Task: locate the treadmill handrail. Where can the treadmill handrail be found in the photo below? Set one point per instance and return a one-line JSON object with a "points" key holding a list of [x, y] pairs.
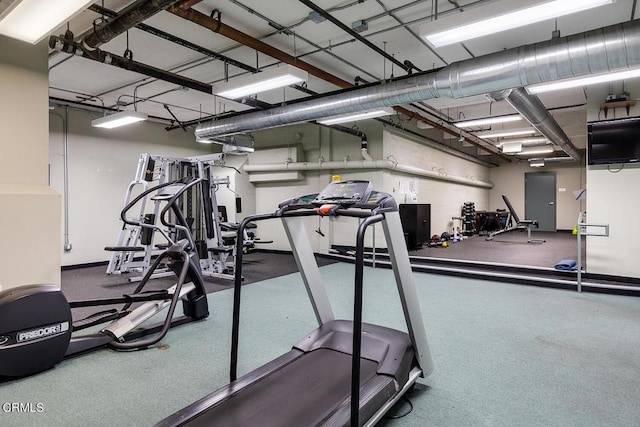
{"points": [[357, 317], [237, 287]]}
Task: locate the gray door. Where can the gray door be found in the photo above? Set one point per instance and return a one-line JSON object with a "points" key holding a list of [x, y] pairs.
{"points": [[540, 199]]}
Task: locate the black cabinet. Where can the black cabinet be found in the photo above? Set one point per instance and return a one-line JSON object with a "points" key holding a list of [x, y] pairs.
{"points": [[416, 222]]}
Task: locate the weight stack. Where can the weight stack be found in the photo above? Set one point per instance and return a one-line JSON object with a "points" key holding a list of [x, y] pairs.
{"points": [[468, 218]]}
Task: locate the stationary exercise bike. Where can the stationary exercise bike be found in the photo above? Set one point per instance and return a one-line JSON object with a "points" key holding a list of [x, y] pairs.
{"points": [[36, 322]]}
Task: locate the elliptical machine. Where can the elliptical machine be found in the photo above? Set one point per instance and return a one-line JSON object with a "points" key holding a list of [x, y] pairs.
{"points": [[36, 322]]}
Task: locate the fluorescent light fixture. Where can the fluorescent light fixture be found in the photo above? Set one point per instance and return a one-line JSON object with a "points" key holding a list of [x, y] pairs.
{"points": [[583, 81], [487, 121], [500, 16], [536, 163], [255, 83], [538, 140], [231, 144], [511, 148], [500, 134], [334, 120], [537, 150], [119, 119], [32, 20], [204, 140]]}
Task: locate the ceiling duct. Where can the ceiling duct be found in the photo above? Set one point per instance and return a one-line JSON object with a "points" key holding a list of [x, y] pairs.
{"points": [[603, 50], [532, 109], [235, 144], [221, 28]]}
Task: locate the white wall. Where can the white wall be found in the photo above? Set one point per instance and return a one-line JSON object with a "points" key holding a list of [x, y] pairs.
{"points": [[323, 144], [446, 198], [316, 144], [30, 225], [239, 183], [102, 163], [612, 198], [509, 180]]}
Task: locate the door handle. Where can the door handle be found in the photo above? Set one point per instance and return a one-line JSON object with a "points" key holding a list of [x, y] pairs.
{"points": [[551, 203]]}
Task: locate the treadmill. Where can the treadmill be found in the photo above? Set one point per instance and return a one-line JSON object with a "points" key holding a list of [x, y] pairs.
{"points": [[344, 373]]}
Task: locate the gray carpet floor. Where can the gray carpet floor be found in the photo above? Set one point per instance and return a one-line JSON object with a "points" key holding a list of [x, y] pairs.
{"points": [[92, 282], [504, 355], [511, 248]]}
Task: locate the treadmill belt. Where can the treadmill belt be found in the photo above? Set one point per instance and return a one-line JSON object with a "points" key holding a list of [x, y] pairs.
{"points": [[302, 393]]}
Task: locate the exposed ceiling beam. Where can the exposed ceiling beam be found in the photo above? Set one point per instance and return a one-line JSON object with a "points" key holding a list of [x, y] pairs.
{"points": [[219, 27], [406, 67], [240, 37]]}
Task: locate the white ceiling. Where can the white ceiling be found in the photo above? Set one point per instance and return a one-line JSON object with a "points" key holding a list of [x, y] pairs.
{"points": [[392, 26]]}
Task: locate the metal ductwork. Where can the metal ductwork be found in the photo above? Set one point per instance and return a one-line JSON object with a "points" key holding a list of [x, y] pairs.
{"points": [[532, 109], [217, 26], [608, 49], [126, 19]]}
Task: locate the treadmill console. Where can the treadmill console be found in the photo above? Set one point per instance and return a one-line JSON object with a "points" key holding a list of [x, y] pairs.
{"points": [[344, 193], [340, 196]]}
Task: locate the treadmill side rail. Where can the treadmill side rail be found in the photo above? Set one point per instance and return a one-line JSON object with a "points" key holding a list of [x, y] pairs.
{"points": [[399, 257], [308, 267]]}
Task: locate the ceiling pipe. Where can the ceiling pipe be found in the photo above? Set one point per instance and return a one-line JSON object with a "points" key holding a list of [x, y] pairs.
{"points": [[608, 49], [177, 40], [62, 44], [365, 164], [352, 33], [132, 15], [219, 27], [233, 34], [364, 142], [532, 109], [438, 145]]}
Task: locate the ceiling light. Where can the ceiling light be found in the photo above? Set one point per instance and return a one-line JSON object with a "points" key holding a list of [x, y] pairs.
{"points": [[538, 140], [582, 81], [359, 26], [500, 16], [32, 20], [260, 82], [500, 134], [536, 163], [119, 119], [333, 120], [316, 17], [511, 148], [537, 150], [204, 140], [231, 144], [487, 121]]}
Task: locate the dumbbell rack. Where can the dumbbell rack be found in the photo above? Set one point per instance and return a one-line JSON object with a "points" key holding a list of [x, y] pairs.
{"points": [[468, 218]]}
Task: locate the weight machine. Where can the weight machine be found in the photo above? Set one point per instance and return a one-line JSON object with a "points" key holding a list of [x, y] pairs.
{"points": [[136, 244]]}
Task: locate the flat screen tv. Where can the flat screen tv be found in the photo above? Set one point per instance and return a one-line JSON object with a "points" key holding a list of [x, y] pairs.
{"points": [[614, 141]]}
